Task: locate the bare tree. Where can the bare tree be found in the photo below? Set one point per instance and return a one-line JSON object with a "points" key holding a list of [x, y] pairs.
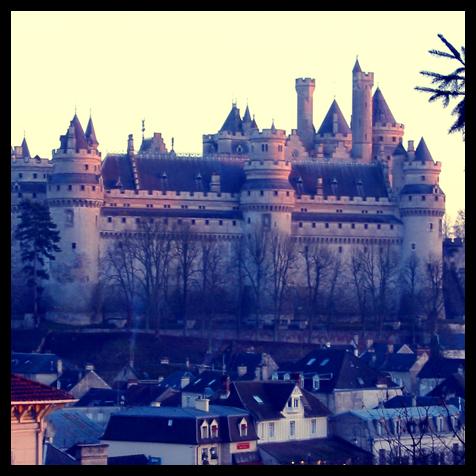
{"points": [[282, 260], [238, 279], [459, 224], [431, 293], [186, 252], [256, 264], [410, 281], [319, 260], [118, 267]]}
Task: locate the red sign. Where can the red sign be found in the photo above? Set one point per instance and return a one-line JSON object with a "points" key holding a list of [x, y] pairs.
{"points": [[243, 446]]}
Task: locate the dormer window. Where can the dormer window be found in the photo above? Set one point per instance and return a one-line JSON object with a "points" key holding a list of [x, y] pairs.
{"points": [[204, 430], [214, 429], [243, 427]]}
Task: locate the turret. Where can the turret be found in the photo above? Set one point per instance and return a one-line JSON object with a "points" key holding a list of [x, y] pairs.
{"points": [[361, 122], [75, 197], [267, 197], [422, 205], [305, 127]]}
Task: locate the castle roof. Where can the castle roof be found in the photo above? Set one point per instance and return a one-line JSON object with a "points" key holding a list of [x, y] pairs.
{"points": [[193, 174], [24, 149], [247, 116], [381, 111], [327, 124], [79, 137], [422, 153], [357, 68], [90, 133], [233, 123], [400, 150]]}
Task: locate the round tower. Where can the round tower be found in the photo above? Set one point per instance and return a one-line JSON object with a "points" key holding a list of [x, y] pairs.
{"points": [[361, 121], [267, 197], [75, 197], [305, 126], [422, 205]]}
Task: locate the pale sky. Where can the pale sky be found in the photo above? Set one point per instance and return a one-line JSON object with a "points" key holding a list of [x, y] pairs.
{"points": [[181, 70]]}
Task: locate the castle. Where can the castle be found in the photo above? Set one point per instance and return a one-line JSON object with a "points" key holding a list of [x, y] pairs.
{"points": [[340, 185]]}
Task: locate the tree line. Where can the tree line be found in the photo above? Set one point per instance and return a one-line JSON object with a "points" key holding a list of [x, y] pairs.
{"points": [[167, 273]]}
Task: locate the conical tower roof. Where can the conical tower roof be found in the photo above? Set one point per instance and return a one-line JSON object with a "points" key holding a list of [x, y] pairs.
{"points": [[247, 116], [24, 149], [327, 124], [380, 110], [80, 140], [233, 122], [90, 133], [357, 68], [422, 153], [400, 150]]}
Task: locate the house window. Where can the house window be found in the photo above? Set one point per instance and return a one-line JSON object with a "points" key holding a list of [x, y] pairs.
{"points": [[313, 426], [292, 429], [214, 453], [271, 430], [315, 382]]}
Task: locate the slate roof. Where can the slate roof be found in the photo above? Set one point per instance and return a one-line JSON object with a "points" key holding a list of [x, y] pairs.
{"points": [[345, 218], [453, 384], [422, 153], [143, 394], [233, 123], [90, 133], [440, 368], [71, 427], [327, 123], [399, 362], [380, 110], [341, 179], [417, 189], [24, 390], [99, 397], [28, 363], [338, 370], [130, 460], [25, 151], [272, 398], [332, 450], [177, 425]]}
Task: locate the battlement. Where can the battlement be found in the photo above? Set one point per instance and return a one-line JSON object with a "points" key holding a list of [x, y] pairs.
{"points": [[268, 134], [416, 165], [305, 82], [71, 153], [388, 125]]}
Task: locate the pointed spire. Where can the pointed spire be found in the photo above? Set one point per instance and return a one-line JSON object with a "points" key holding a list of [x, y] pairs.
{"points": [[380, 110], [233, 122], [400, 150], [327, 123], [422, 153], [253, 123], [273, 129], [24, 148], [247, 116], [357, 68], [80, 140], [91, 134]]}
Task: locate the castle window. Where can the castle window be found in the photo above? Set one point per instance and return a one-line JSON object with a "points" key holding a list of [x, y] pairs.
{"points": [[430, 226], [73, 246], [86, 166], [207, 222], [340, 249], [234, 222], [423, 198], [413, 246], [391, 227], [352, 226], [380, 138], [82, 187], [261, 192], [340, 225], [394, 139], [327, 225], [409, 198], [109, 219], [422, 178], [379, 227], [436, 198], [300, 224], [70, 187], [20, 175], [275, 193], [366, 226], [220, 222], [123, 220], [287, 194], [179, 221], [249, 193], [314, 225], [193, 222], [93, 188]]}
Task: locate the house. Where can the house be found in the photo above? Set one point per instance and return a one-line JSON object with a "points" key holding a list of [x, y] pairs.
{"points": [[408, 435], [204, 386], [78, 382], [31, 402], [291, 424], [205, 435], [448, 346], [342, 381], [44, 368], [80, 454], [138, 395], [435, 370], [249, 365], [452, 386]]}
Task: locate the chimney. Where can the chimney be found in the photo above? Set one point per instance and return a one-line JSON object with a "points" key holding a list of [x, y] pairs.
{"points": [[320, 189], [184, 381], [59, 367], [215, 183], [202, 404], [89, 367], [298, 378], [411, 151], [91, 454], [225, 386]]}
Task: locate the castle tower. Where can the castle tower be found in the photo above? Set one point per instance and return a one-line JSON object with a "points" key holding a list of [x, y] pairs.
{"points": [[422, 204], [75, 196], [386, 132], [305, 127], [361, 121], [334, 134], [267, 197]]}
